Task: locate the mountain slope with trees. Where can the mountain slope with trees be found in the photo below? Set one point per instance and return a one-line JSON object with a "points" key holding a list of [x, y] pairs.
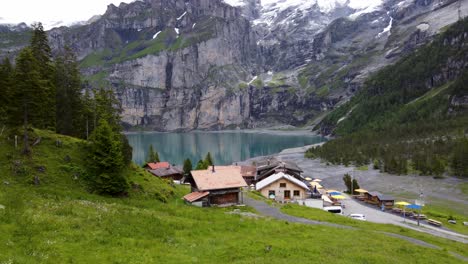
{"points": [[409, 116]]}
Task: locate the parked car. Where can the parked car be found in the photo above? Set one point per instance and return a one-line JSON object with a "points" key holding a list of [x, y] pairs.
{"points": [[358, 217], [333, 209]]}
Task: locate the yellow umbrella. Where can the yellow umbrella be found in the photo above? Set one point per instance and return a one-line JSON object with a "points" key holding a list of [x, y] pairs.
{"points": [[360, 190], [317, 180], [308, 179], [329, 191], [339, 197], [402, 203], [316, 184]]}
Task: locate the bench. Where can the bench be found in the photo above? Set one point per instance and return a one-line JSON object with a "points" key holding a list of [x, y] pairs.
{"points": [[434, 222]]}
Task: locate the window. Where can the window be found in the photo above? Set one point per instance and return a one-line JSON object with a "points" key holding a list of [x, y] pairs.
{"points": [[297, 193], [271, 194], [283, 185]]}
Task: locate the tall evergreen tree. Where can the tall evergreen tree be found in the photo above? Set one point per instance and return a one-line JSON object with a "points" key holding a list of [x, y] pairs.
{"points": [[187, 166], [200, 165], [347, 182], [153, 156], [69, 103], [25, 104], [88, 114], [106, 160], [6, 88], [43, 54], [208, 160], [107, 107], [459, 162]]}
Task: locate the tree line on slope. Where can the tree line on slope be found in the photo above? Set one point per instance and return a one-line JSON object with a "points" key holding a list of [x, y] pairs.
{"points": [[44, 91], [406, 118]]}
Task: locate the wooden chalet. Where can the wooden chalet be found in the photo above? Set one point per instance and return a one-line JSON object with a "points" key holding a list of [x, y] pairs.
{"points": [[249, 173], [157, 165], [378, 199], [282, 187], [269, 167], [218, 185], [169, 173]]}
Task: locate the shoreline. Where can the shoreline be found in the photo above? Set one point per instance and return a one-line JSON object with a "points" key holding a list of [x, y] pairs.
{"points": [[443, 192], [271, 131]]}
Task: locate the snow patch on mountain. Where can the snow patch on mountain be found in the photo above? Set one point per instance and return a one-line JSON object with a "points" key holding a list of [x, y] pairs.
{"points": [[235, 2], [271, 9], [388, 28]]}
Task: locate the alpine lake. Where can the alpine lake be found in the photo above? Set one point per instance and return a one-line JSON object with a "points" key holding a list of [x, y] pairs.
{"points": [[226, 147]]}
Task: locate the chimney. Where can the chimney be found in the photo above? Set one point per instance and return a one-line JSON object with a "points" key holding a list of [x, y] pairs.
{"points": [[212, 169]]}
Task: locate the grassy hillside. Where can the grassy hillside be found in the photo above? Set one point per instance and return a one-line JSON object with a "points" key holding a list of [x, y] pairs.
{"points": [[58, 221]]}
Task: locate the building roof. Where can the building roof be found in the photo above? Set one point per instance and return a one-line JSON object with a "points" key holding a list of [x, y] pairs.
{"points": [[248, 171], [277, 176], [274, 163], [166, 171], [382, 197], [192, 197], [223, 177], [158, 165], [374, 193]]}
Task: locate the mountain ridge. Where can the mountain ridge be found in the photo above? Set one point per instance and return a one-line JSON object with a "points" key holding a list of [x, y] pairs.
{"points": [[179, 65]]}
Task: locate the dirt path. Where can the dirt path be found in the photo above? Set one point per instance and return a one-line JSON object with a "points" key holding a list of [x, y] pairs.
{"points": [[274, 212]]}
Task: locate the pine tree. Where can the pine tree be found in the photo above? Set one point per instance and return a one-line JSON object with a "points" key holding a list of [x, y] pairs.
{"points": [[106, 160], [6, 89], [200, 165], [459, 160], [355, 185], [47, 95], [208, 160], [25, 104], [187, 166], [347, 182], [107, 107], [68, 95], [87, 113]]}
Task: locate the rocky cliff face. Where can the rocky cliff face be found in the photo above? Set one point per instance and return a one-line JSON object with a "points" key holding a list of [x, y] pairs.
{"points": [[213, 64]]}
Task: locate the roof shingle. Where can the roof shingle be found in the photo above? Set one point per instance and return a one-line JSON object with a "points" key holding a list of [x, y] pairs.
{"points": [[223, 177]]}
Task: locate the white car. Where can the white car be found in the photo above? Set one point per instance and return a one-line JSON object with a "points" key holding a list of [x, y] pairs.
{"points": [[358, 217]]}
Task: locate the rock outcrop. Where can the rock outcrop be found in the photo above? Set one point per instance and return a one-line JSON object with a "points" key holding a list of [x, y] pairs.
{"points": [[214, 64]]}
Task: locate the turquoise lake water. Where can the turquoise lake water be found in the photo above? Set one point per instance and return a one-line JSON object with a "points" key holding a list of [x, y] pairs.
{"points": [[226, 147]]}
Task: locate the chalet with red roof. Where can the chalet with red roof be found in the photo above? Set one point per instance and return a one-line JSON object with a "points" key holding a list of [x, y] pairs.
{"points": [[218, 185]]}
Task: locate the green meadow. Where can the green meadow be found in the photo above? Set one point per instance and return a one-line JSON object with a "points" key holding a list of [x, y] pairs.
{"points": [[59, 221]]}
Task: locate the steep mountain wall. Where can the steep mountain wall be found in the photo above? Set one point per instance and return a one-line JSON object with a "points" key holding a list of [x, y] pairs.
{"points": [[213, 64]]}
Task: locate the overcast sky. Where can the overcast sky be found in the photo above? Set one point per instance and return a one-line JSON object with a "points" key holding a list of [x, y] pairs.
{"points": [[50, 12]]}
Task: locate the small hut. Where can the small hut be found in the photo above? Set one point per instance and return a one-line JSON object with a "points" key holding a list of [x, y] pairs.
{"points": [[379, 199]]}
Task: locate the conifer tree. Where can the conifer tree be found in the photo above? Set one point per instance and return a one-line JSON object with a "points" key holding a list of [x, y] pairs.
{"points": [[459, 160], [187, 166], [108, 107], [200, 165], [6, 89], [153, 156], [208, 160], [25, 105], [46, 96], [68, 96], [106, 160]]}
